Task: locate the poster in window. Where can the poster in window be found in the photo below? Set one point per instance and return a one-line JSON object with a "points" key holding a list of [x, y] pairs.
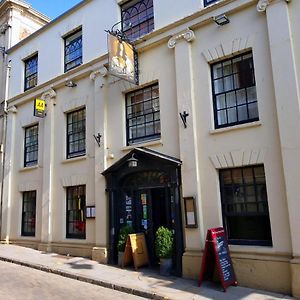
{"points": [[121, 59]]}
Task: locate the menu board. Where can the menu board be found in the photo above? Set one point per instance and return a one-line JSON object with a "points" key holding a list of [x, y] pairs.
{"points": [[216, 253]]}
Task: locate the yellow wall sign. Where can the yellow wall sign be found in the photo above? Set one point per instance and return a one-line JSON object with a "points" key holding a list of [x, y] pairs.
{"points": [[39, 108]]}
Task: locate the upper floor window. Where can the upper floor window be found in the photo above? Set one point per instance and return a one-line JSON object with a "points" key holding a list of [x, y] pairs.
{"points": [[28, 213], [245, 205], [137, 18], [76, 133], [73, 50], [234, 91], [209, 2], [31, 146], [31, 72], [76, 212], [143, 115]]}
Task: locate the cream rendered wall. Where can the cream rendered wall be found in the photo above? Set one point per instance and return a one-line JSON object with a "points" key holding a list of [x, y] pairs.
{"points": [[263, 138], [24, 179], [50, 44], [156, 65], [168, 11], [294, 7]]}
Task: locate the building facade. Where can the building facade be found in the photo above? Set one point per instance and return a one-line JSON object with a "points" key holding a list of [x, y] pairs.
{"points": [[17, 21], [210, 133]]}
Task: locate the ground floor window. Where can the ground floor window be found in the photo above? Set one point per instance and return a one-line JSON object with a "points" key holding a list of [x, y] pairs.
{"points": [[245, 205], [28, 213], [75, 212]]}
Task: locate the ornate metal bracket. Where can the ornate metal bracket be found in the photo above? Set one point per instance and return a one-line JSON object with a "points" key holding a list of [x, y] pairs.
{"points": [[98, 139], [183, 117]]}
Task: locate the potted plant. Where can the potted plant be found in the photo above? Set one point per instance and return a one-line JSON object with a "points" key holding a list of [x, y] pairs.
{"points": [[122, 238], [164, 246]]}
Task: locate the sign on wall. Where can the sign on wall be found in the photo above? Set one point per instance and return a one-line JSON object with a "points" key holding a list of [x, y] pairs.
{"points": [[122, 61], [39, 108]]}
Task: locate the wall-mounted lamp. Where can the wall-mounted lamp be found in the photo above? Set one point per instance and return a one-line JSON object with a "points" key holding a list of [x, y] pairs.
{"points": [[132, 162], [221, 20], [70, 83]]}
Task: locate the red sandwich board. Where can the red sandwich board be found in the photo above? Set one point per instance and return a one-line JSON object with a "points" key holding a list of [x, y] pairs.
{"points": [[216, 253]]}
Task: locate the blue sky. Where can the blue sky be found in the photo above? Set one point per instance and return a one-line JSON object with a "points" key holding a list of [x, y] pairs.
{"points": [[52, 8]]}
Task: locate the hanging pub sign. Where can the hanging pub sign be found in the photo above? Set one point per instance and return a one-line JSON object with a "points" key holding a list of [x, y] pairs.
{"points": [[39, 109], [216, 255], [122, 59]]}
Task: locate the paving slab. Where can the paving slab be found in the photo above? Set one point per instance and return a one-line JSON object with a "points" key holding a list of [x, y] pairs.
{"points": [[145, 282]]}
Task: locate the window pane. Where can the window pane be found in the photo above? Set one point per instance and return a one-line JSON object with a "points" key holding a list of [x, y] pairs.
{"points": [[242, 113], [31, 146], [222, 117], [234, 79], [143, 114], [73, 50], [76, 223], [28, 213], [221, 101], [245, 211], [76, 133], [31, 72], [137, 18]]}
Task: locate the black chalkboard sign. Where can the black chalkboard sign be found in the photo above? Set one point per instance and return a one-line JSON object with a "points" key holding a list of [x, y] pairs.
{"points": [[216, 253]]}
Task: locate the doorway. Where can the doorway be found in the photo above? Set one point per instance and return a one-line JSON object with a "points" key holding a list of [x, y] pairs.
{"points": [[145, 197], [153, 211]]}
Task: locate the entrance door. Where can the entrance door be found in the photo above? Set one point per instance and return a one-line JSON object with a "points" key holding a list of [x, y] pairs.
{"points": [[153, 211]]}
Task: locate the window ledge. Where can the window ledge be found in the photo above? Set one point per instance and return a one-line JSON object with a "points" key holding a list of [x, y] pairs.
{"points": [[145, 144], [236, 127], [25, 169], [252, 249], [74, 159]]}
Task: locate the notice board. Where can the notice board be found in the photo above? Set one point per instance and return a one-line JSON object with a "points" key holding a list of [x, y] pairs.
{"points": [[216, 254], [136, 251]]}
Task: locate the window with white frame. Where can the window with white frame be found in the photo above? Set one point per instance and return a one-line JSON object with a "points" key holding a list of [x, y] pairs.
{"points": [[245, 205], [234, 91], [31, 145]]}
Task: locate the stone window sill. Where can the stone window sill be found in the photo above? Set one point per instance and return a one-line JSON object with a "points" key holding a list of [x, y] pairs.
{"points": [[236, 127]]}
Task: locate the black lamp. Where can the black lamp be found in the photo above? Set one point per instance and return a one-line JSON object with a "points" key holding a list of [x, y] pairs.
{"points": [[132, 162]]}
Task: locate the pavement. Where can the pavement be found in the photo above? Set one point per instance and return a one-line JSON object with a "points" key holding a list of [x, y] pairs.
{"points": [[145, 282]]}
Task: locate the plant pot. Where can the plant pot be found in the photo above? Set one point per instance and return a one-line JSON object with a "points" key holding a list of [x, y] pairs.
{"points": [[165, 266], [120, 258]]}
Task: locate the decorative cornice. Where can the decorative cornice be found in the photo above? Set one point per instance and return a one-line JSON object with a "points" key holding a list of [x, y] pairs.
{"points": [[187, 34], [263, 4], [49, 94], [100, 72], [12, 109]]}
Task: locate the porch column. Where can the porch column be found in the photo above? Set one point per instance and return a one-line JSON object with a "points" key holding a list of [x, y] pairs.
{"points": [[8, 176], [100, 116], [48, 170], [189, 152], [287, 98]]}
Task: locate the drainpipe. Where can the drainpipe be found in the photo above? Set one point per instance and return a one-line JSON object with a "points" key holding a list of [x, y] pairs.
{"points": [[7, 30]]}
